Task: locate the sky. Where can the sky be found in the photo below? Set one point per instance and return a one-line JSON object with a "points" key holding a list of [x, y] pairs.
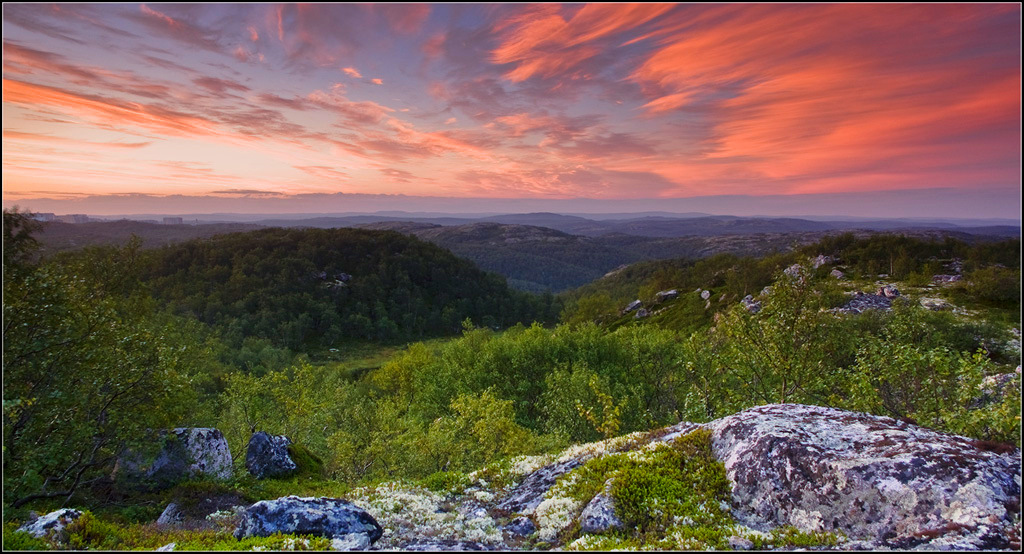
{"points": [[194, 108]]}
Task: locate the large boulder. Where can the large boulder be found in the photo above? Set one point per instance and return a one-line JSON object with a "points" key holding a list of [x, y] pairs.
{"points": [[52, 524], [323, 517], [872, 478], [186, 452], [268, 456]]}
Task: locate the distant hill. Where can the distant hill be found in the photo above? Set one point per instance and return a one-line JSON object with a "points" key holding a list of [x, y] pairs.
{"points": [[58, 237], [316, 288]]}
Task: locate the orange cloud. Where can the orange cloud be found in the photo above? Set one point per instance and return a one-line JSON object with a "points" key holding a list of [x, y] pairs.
{"points": [[541, 42], [352, 72]]}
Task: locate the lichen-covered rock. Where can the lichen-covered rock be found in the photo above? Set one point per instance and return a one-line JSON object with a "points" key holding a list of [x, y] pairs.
{"points": [[873, 478], [427, 545], [525, 498], [705, 294], [322, 517], [599, 515], [267, 456], [822, 260], [888, 291], [751, 305], [835, 273], [52, 524], [187, 452], [666, 295], [521, 526]]}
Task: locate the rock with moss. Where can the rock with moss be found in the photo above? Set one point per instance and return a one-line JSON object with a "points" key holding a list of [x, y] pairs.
{"points": [[332, 518], [599, 515], [51, 524], [186, 452], [871, 478], [267, 456], [525, 498]]}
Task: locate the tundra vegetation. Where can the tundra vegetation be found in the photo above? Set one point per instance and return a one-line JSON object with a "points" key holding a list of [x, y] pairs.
{"points": [[305, 333]]}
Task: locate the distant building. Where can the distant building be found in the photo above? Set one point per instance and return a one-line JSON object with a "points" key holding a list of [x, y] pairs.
{"points": [[44, 217], [73, 218], [172, 221]]}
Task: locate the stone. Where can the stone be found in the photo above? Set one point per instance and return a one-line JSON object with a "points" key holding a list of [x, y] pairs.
{"points": [[599, 514], [169, 547], [666, 295], [705, 294], [946, 278], [642, 313], [935, 304], [632, 306], [837, 274], [888, 291], [322, 517], [171, 515], [752, 306], [351, 543], [52, 524], [187, 452], [862, 302], [446, 545], [872, 478], [521, 526], [525, 498], [267, 456], [822, 260]]}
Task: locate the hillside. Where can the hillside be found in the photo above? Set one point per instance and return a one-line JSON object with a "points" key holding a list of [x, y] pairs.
{"points": [[315, 288], [56, 236]]}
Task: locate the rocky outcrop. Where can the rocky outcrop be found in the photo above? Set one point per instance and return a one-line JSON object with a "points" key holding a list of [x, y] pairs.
{"points": [[187, 452], [632, 306], [835, 273], [599, 515], [642, 313], [51, 524], [873, 478], [751, 305], [267, 456], [322, 517], [862, 302], [525, 498]]}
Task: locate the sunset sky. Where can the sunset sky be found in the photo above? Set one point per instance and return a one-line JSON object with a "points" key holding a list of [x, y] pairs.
{"points": [[205, 104]]}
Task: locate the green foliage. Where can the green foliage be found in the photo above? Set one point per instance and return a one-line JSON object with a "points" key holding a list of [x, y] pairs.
{"points": [[318, 288], [88, 368], [15, 540], [308, 463], [447, 482], [790, 350], [994, 285]]}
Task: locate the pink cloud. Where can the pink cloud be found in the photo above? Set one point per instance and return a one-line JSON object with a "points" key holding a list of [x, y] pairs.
{"points": [[352, 72]]}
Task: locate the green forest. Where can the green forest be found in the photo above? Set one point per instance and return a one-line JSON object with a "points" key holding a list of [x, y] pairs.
{"points": [[385, 357]]}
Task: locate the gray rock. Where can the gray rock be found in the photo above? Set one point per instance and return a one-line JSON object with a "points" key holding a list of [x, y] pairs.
{"points": [[171, 515], [632, 306], [873, 478], [323, 517], [169, 547], [666, 295], [642, 313], [525, 498], [267, 456], [888, 291], [752, 306], [52, 523], [837, 274], [946, 278], [862, 302], [705, 294], [186, 453], [521, 526], [599, 514], [351, 543], [822, 260], [935, 304]]}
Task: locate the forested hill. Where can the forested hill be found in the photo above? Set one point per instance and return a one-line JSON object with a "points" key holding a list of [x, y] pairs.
{"points": [[314, 288]]}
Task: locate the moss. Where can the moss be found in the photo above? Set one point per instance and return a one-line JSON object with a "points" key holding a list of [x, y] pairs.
{"points": [[447, 482], [20, 540], [309, 464]]}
